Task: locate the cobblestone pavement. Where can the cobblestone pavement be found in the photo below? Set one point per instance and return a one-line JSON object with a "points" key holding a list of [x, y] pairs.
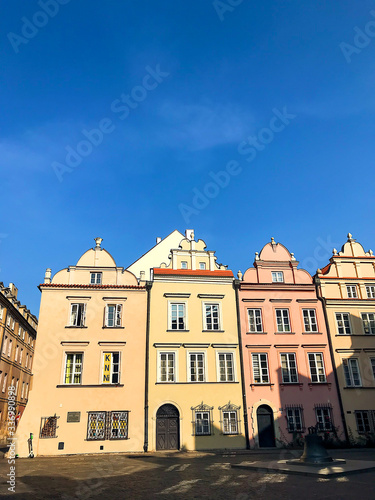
{"points": [[176, 475]]}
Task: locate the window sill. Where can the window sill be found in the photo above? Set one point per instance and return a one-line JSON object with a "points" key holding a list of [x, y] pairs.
{"points": [[178, 331], [355, 335], [90, 385], [256, 333], [72, 326], [291, 383], [113, 327], [311, 384], [200, 383], [358, 387], [312, 333], [262, 385], [285, 333], [213, 331]]}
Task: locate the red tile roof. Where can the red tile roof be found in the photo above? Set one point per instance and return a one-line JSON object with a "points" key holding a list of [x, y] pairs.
{"points": [[190, 272], [60, 285]]}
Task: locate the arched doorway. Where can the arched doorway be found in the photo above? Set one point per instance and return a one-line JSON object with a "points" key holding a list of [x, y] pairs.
{"points": [[266, 430], [167, 428]]}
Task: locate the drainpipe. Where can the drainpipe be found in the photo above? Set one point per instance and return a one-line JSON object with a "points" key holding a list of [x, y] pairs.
{"points": [[148, 288], [236, 284], [323, 301]]}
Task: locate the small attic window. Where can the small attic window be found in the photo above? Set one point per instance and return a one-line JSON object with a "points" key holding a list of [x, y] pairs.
{"points": [[96, 278], [202, 266], [277, 277], [184, 264]]}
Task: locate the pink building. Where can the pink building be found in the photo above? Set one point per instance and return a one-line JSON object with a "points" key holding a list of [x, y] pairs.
{"points": [[288, 376]]}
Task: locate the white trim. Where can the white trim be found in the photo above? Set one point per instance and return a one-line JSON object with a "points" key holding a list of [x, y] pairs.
{"points": [[185, 303], [205, 367], [158, 366], [218, 353], [204, 324]]}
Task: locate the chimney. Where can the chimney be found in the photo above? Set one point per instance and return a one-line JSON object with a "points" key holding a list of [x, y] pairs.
{"points": [[189, 234], [142, 276], [47, 276], [13, 290], [158, 240]]}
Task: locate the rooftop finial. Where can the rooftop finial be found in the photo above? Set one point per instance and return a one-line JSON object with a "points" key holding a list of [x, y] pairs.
{"points": [[350, 237], [292, 254], [98, 242], [239, 275], [334, 251], [256, 255], [272, 240]]}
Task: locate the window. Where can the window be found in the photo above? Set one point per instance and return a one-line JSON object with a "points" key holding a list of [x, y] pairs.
{"points": [[351, 291], [16, 356], [5, 344], [294, 418], [177, 319], [167, 367], [5, 382], [364, 423], [27, 391], [202, 266], [289, 368], [370, 290], [19, 331], [9, 320], [77, 315], [113, 315], [21, 356], [317, 367], [282, 320], [368, 320], [343, 323], [351, 372], [372, 361], [184, 264], [226, 371], [27, 360], [13, 324], [103, 425], [23, 390], [196, 367], [23, 335], [202, 423], [255, 320], [10, 348], [211, 317], [95, 278], [229, 418], [309, 320], [277, 276], [324, 418], [73, 368], [260, 368], [111, 368], [30, 362], [48, 427], [1, 312]]}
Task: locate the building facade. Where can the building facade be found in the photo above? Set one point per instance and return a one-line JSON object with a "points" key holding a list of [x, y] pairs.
{"points": [[88, 394], [347, 287], [194, 388], [288, 375], [18, 336]]}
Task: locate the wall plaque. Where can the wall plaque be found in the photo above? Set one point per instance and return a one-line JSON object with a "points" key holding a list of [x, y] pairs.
{"points": [[74, 416]]}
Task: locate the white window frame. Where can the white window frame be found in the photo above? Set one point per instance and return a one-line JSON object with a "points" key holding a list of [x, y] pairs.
{"points": [[184, 264], [112, 372], [9, 320], [97, 275], [205, 416], [23, 390], [352, 291], [277, 276], [16, 355], [219, 324], [290, 359], [264, 376], [342, 320], [21, 356], [321, 377], [27, 360], [321, 421], [359, 419], [309, 320], [202, 266], [83, 314], [27, 391], [291, 419], [1, 312], [4, 382], [10, 345], [117, 315], [257, 319], [74, 365], [282, 315], [368, 322], [177, 303], [189, 355], [19, 330], [13, 324], [23, 335], [370, 290], [225, 353], [5, 345], [175, 367], [351, 372], [228, 426]]}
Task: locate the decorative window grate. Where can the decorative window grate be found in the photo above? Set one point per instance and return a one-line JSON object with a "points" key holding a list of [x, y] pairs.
{"points": [[202, 422], [107, 425], [48, 427], [230, 421], [294, 418]]}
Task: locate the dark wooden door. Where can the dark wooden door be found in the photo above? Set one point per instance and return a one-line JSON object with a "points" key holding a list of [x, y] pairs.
{"points": [[167, 428], [266, 431]]}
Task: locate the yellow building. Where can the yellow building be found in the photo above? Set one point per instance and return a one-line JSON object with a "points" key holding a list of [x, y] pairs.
{"points": [[347, 288], [194, 388], [17, 341], [88, 393]]}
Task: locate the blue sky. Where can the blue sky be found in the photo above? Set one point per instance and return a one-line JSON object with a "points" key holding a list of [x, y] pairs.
{"points": [[222, 72]]}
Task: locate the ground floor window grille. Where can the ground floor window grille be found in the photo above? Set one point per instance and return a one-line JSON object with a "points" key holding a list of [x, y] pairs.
{"points": [[230, 422], [107, 425], [365, 421], [202, 420], [324, 418], [48, 427], [294, 417]]}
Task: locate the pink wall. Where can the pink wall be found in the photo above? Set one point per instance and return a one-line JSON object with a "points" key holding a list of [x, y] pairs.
{"points": [[297, 292]]}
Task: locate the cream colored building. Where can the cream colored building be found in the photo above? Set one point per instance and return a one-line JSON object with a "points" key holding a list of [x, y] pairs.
{"points": [[347, 288], [194, 385], [88, 392]]}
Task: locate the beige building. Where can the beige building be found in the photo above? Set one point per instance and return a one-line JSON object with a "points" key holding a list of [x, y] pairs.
{"points": [[17, 333], [88, 394], [347, 287], [194, 391]]}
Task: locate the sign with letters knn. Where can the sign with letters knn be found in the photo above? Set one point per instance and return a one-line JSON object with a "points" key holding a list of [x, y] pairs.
{"points": [[107, 368]]}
